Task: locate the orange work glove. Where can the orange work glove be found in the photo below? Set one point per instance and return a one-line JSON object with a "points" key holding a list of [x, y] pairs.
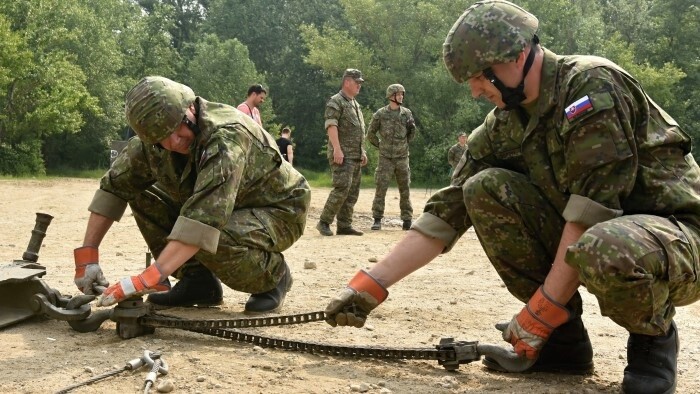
{"points": [[530, 329], [149, 281], [356, 301], [88, 273]]}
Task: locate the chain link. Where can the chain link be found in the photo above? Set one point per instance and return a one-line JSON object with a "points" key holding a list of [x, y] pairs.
{"points": [[230, 329]]}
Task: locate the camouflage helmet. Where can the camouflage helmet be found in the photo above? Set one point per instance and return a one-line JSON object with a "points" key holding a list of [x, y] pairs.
{"points": [[489, 32], [156, 106], [393, 89]]}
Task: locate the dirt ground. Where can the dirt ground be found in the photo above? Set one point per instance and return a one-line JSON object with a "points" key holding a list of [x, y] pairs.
{"points": [[459, 295]]}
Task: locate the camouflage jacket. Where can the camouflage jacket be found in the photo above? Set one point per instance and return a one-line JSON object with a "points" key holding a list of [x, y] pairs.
{"points": [[345, 113], [617, 154], [233, 164], [455, 153], [391, 131]]}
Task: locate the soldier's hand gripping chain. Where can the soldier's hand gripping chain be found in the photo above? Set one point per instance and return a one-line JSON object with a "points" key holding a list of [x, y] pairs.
{"points": [[149, 281], [88, 273], [530, 329], [351, 307]]}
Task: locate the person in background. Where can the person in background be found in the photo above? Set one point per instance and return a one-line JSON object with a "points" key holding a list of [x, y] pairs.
{"points": [[284, 143], [391, 129], [346, 154], [256, 96]]}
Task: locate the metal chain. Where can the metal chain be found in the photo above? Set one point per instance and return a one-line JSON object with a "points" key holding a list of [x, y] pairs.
{"points": [[229, 329]]}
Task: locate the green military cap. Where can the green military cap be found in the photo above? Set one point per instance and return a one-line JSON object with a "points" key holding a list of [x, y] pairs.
{"points": [[354, 74]]}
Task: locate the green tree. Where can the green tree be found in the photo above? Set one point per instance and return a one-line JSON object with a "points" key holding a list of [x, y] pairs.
{"points": [[221, 71]]}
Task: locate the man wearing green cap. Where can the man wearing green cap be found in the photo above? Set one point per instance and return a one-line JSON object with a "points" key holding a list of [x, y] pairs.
{"points": [[345, 126], [577, 177], [211, 195]]}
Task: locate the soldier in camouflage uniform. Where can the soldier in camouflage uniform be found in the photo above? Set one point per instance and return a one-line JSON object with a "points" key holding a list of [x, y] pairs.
{"points": [[454, 155], [577, 177], [391, 129], [345, 126], [211, 195]]}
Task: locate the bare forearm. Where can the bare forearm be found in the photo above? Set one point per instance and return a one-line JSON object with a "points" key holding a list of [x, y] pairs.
{"points": [[562, 281], [97, 228], [174, 255], [290, 155], [411, 253], [333, 137]]}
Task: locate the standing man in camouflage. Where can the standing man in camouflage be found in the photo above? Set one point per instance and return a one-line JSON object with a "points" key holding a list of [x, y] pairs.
{"points": [[391, 129], [211, 196], [456, 151], [577, 178], [345, 126]]}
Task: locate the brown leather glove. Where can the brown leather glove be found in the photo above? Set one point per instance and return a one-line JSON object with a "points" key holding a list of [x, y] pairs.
{"points": [[530, 329], [88, 274], [351, 307]]}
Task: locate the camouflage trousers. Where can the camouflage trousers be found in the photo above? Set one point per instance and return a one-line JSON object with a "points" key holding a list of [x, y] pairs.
{"points": [[346, 188], [248, 257], [639, 267], [386, 170]]}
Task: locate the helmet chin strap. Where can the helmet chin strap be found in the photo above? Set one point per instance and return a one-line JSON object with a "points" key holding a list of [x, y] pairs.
{"points": [[393, 100], [512, 97]]}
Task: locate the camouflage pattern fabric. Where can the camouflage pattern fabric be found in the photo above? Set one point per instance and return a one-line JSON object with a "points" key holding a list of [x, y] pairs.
{"points": [[233, 196], [455, 154], [386, 170], [346, 189], [622, 168], [346, 114], [389, 131], [489, 32]]}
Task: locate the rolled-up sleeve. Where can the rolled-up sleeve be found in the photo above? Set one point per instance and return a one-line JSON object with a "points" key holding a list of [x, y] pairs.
{"points": [[587, 212], [108, 205], [195, 233]]}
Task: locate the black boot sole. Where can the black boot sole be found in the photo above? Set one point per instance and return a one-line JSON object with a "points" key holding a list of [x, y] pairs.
{"points": [[565, 369]]}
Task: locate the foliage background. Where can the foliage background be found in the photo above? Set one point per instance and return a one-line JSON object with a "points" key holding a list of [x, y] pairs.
{"points": [[66, 65]]}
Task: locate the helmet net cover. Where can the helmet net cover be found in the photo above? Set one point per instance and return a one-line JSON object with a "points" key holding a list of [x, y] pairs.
{"points": [[156, 106], [393, 89], [489, 32]]}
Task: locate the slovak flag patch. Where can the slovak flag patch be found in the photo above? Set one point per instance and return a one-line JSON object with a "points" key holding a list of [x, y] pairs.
{"points": [[578, 107]]}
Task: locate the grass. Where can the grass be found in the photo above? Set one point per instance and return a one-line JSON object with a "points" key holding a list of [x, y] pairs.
{"points": [[315, 178]]}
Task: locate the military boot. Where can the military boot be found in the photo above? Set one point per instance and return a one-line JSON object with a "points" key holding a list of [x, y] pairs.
{"points": [[567, 351], [348, 231], [197, 286], [651, 363], [324, 228], [377, 225], [407, 224], [271, 300]]}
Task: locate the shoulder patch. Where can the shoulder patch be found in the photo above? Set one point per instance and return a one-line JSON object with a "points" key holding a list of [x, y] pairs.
{"points": [[578, 108]]}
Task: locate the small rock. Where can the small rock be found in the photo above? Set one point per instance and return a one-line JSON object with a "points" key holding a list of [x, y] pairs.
{"points": [[89, 370], [384, 390], [372, 260], [257, 349], [165, 386], [369, 327], [201, 378], [453, 302], [309, 265]]}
